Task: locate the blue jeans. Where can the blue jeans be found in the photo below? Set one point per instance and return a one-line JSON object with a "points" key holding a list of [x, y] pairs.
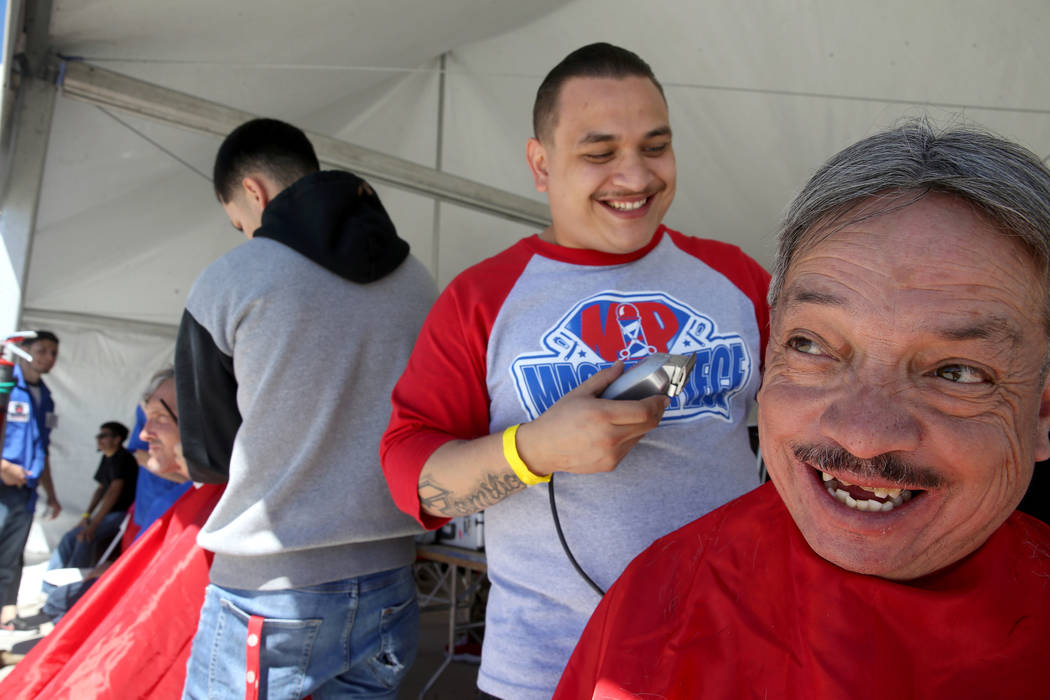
{"points": [[71, 553], [15, 521], [354, 638], [61, 598]]}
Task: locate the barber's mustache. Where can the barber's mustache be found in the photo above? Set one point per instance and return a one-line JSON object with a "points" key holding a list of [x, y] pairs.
{"points": [[837, 460]]}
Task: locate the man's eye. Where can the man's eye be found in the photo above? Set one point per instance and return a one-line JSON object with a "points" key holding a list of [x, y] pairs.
{"points": [[961, 374], [657, 149], [804, 345], [598, 157]]}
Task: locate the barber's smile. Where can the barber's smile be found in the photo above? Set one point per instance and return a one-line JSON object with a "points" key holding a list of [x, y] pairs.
{"points": [[628, 206]]}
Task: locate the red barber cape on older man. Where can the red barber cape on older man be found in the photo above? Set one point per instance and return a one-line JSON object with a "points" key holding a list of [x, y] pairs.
{"points": [[130, 635], [736, 605]]}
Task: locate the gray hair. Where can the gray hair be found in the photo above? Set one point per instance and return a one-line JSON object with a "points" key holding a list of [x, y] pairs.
{"points": [[1008, 184], [159, 377]]}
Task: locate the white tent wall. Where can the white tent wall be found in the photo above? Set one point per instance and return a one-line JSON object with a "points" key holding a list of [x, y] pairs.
{"points": [[103, 366]]}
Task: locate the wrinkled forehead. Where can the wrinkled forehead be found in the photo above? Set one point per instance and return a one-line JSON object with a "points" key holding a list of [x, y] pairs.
{"points": [[936, 241]]}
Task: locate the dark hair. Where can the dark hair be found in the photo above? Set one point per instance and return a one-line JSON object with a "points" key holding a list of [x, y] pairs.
{"points": [[118, 429], [1004, 181], [274, 148], [599, 60], [40, 335]]}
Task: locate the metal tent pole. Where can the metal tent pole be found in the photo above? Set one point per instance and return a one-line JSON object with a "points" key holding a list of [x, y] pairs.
{"points": [[109, 89]]}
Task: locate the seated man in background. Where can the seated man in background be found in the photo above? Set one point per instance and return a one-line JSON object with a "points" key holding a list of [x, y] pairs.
{"points": [[904, 402], [129, 636], [116, 476]]}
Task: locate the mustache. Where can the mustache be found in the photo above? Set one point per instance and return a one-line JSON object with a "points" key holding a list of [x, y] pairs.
{"points": [[834, 459]]}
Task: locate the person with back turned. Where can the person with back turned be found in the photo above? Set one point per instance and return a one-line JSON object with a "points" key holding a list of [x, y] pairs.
{"points": [[287, 352]]}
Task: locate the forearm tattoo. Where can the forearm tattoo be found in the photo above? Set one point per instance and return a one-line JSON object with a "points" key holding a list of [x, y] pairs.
{"points": [[435, 498]]}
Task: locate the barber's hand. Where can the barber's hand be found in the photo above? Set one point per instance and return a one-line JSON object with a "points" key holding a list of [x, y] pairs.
{"points": [[584, 434], [87, 534], [12, 474], [54, 508]]}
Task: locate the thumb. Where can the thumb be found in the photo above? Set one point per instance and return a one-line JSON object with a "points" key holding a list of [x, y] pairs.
{"points": [[597, 383]]}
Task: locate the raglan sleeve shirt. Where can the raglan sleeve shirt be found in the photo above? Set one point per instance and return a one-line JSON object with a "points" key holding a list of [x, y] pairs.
{"points": [[443, 394]]}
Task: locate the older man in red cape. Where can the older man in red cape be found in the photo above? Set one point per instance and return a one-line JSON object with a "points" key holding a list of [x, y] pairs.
{"points": [[904, 403], [130, 635]]}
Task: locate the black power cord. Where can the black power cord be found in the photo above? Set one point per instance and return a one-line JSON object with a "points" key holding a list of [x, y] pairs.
{"points": [[565, 545]]}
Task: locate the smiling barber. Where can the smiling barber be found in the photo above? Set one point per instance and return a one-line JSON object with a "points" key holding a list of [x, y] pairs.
{"points": [[532, 336]]}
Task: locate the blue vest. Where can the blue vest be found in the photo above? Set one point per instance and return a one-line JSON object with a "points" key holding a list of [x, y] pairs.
{"points": [[28, 430]]}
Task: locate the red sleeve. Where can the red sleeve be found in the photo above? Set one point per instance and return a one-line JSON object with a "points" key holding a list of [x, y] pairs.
{"points": [[739, 268], [443, 393]]}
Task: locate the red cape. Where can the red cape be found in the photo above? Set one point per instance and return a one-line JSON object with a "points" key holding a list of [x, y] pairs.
{"points": [[736, 605], [130, 635]]}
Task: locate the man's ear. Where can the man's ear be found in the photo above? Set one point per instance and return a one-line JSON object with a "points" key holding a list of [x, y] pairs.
{"points": [[1042, 439], [536, 154], [256, 192]]}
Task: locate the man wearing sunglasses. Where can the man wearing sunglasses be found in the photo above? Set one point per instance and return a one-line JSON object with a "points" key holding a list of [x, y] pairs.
{"points": [[116, 476]]}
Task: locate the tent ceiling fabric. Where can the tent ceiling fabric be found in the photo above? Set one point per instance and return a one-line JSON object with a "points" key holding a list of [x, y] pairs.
{"points": [[759, 94]]}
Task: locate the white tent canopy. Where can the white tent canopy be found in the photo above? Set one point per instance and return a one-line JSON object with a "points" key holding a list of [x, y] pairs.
{"points": [[759, 93]]}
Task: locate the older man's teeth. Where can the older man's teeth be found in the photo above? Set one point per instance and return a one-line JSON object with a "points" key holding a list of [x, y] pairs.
{"points": [[896, 496], [883, 493], [627, 206]]}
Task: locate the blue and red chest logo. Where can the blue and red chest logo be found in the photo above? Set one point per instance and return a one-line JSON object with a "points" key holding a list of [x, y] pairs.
{"points": [[612, 326]]}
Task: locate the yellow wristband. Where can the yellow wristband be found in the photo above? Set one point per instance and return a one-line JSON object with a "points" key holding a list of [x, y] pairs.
{"points": [[510, 453], [86, 515]]}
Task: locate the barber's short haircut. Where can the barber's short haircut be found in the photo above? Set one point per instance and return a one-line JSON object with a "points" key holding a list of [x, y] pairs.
{"points": [[268, 146], [40, 335], [599, 60], [1008, 184], [118, 429], [159, 377]]}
